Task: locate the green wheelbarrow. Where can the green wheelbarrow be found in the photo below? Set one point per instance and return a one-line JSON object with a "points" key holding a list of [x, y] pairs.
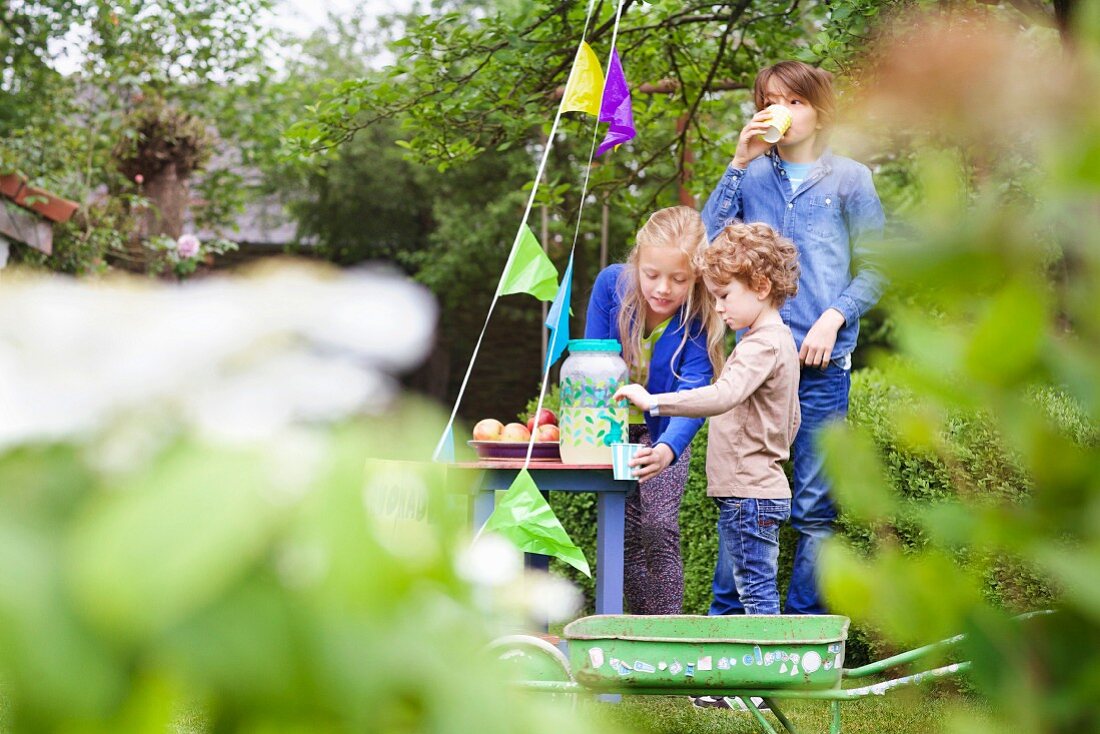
{"points": [[771, 657]]}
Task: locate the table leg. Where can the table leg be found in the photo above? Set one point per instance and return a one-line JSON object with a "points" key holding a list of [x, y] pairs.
{"points": [[484, 502], [537, 561], [610, 525]]}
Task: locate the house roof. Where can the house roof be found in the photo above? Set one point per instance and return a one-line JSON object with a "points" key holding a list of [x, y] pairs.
{"points": [[23, 227], [42, 202]]}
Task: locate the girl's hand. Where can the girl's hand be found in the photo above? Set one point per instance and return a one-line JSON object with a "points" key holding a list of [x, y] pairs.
{"points": [[750, 145], [817, 347], [636, 394], [649, 462]]}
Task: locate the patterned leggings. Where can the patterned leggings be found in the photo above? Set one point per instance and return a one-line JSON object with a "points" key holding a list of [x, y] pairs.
{"points": [[653, 571]]}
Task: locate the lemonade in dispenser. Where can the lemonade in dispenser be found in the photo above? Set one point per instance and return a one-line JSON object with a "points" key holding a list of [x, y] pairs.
{"points": [[590, 421]]}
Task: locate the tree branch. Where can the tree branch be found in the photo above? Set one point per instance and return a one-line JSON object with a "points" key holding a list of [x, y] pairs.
{"points": [[690, 118]]}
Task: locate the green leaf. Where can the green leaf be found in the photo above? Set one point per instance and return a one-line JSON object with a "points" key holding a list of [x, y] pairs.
{"points": [[147, 556], [1008, 338], [859, 480]]}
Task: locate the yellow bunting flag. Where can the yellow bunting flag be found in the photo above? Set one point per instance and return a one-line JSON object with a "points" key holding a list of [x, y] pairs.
{"points": [[584, 89]]}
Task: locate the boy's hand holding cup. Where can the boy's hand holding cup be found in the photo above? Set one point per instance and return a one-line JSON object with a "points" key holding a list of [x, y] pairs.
{"points": [[764, 130], [779, 122]]}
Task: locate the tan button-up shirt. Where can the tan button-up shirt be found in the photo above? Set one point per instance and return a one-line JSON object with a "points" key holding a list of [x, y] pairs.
{"points": [[754, 415]]}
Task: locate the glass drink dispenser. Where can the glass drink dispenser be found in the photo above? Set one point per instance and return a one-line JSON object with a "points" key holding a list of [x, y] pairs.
{"points": [[590, 421]]}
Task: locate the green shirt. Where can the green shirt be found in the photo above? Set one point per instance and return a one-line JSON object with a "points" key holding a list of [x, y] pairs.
{"points": [[639, 372]]}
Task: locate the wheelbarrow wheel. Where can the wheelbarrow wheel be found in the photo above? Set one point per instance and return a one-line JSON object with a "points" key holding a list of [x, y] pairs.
{"points": [[528, 658]]}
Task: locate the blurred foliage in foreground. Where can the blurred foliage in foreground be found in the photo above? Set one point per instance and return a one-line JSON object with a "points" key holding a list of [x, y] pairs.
{"points": [[994, 306], [217, 549]]}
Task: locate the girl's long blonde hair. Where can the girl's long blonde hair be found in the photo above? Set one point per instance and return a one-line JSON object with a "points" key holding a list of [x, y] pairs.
{"points": [[680, 227]]}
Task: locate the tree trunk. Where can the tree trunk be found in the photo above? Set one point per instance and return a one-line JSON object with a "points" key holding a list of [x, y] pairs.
{"points": [[169, 194]]}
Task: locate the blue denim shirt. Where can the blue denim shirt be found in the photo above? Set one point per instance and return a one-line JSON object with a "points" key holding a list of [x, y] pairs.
{"points": [[834, 219]]}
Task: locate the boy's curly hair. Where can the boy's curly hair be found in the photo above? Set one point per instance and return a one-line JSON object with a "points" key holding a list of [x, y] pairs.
{"points": [[754, 254]]}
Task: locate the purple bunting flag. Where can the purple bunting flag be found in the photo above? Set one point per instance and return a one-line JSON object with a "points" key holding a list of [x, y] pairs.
{"points": [[615, 107]]}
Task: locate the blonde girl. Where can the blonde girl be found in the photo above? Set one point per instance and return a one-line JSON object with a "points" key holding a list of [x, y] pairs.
{"points": [[657, 307]]}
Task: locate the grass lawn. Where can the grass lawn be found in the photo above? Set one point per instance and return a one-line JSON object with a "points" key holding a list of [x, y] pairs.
{"points": [[899, 712]]}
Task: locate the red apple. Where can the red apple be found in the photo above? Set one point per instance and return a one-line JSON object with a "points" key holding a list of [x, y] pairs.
{"points": [[488, 430], [547, 433], [515, 433], [545, 417]]}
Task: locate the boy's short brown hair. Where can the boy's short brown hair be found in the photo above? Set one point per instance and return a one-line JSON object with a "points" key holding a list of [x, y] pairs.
{"points": [[754, 254], [809, 82]]}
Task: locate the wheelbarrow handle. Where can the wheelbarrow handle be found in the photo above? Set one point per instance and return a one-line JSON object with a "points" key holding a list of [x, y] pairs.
{"points": [[901, 658], [823, 694], [920, 652]]}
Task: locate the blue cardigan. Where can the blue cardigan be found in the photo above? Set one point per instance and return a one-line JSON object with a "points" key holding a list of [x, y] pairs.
{"points": [[692, 364]]}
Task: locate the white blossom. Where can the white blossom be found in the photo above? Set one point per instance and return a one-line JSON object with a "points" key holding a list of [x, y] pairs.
{"points": [[188, 246], [491, 561], [235, 357]]}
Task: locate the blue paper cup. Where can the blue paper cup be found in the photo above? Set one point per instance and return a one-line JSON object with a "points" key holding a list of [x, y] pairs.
{"points": [[621, 454]]}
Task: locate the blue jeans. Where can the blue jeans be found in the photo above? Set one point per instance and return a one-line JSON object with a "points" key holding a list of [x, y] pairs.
{"points": [[823, 397], [748, 530]]}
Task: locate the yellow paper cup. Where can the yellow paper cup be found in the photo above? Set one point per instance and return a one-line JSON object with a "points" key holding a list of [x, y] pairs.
{"points": [[778, 124]]}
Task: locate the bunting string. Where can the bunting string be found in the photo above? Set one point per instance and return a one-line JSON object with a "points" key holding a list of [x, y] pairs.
{"points": [[512, 253], [576, 236], [523, 515]]}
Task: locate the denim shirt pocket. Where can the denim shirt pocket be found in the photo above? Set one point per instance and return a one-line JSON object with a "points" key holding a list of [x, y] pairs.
{"points": [[824, 217]]}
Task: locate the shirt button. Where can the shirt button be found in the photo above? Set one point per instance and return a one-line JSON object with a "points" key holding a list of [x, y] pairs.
{"points": [[790, 205]]}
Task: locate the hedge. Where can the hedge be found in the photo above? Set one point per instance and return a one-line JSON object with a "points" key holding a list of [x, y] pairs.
{"points": [[973, 458]]}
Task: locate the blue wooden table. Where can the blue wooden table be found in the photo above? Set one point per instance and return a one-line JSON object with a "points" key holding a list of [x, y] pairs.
{"points": [[553, 476]]}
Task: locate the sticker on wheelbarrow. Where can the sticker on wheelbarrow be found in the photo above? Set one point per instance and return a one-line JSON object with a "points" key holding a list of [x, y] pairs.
{"points": [[621, 667], [783, 667]]}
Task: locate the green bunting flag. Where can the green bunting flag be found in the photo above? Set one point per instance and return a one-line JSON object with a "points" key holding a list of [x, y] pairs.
{"points": [[530, 270], [524, 517]]}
